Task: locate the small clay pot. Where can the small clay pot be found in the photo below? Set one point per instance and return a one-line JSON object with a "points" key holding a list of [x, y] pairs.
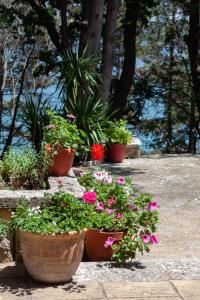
{"points": [[62, 160], [52, 258], [95, 240], [115, 153]]}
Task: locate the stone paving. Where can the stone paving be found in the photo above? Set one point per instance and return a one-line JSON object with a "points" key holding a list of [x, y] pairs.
{"points": [[171, 270]]}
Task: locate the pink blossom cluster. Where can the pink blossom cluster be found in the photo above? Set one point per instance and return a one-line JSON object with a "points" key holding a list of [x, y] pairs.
{"points": [[152, 206], [90, 197], [149, 238], [102, 176], [120, 180], [109, 242]]}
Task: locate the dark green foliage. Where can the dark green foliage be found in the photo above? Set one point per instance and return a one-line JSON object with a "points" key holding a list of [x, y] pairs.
{"points": [[35, 118]]}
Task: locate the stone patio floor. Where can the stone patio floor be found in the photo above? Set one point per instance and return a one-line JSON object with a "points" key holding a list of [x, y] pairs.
{"points": [[171, 270]]}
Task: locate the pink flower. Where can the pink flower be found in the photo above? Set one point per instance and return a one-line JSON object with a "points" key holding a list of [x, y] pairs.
{"points": [[82, 174], [100, 206], [152, 206], [90, 197], [111, 201], [153, 239], [120, 180], [146, 238], [50, 126], [107, 179], [109, 242], [119, 216], [109, 211], [70, 117]]}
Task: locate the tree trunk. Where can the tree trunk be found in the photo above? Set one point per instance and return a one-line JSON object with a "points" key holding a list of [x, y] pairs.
{"points": [[95, 21], [108, 46], [85, 10], [193, 43], [120, 98], [170, 93], [192, 129], [3, 67]]}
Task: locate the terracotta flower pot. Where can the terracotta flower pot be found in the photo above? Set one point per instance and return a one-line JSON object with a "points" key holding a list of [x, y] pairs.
{"points": [[116, 152], [95, 240], [52, 258], [62, 161]]}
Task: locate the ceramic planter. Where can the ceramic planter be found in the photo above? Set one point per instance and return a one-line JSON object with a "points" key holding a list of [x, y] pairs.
{"points": [[116, 152], [62, 161], [95, 240], [52, 258]]}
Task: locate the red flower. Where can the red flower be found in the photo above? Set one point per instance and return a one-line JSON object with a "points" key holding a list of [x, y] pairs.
{"points": [[48, 148], [97, 151]]}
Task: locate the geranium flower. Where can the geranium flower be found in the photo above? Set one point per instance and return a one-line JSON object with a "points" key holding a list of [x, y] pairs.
{"points": [[109, 211], [100, 175], [153, 239], [90, 197], [111, 201], [70, 117], [100, 206], [152, 206], [82, 174], [50, 126], [48, 148], [97, 151], [120, 180], [107, 179], [119, 216], [146, 238], [109, 242]]}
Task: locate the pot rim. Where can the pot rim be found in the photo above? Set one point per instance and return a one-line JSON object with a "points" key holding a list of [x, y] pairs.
{"points": [[57, 234], [105, 232]]}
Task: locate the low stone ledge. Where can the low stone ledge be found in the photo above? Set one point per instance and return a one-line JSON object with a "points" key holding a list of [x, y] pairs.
{"points": [[133, 149], [9, 198]]}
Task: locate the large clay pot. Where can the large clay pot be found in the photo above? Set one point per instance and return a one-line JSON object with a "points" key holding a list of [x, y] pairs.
{"points": [[62, 162], [95, 240], [116, 152], [52, 258]]}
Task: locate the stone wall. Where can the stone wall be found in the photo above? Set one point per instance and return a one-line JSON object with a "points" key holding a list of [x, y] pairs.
{"points": [[10, 246]]}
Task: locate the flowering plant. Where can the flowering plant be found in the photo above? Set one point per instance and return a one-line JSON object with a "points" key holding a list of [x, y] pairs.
{"points": [[97, 151], [60, 213], [62, 133], [116, 206]]}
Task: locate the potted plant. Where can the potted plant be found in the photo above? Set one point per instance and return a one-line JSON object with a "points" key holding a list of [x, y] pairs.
{"points": [[118, 138], [62, 138], [52, 236], [122, 222]]}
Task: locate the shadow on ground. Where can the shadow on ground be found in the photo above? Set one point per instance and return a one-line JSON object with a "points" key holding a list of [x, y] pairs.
{"points": [[25, 286], [129, 265]]}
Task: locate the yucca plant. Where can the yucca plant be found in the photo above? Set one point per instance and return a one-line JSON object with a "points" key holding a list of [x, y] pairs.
{"points": [[78, 76], [35, 118], [91, 115]]}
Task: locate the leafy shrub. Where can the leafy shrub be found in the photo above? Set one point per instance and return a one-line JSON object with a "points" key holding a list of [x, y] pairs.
{"points": [[24, 169], [117, 133], [61, 213], [3, 228]]}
